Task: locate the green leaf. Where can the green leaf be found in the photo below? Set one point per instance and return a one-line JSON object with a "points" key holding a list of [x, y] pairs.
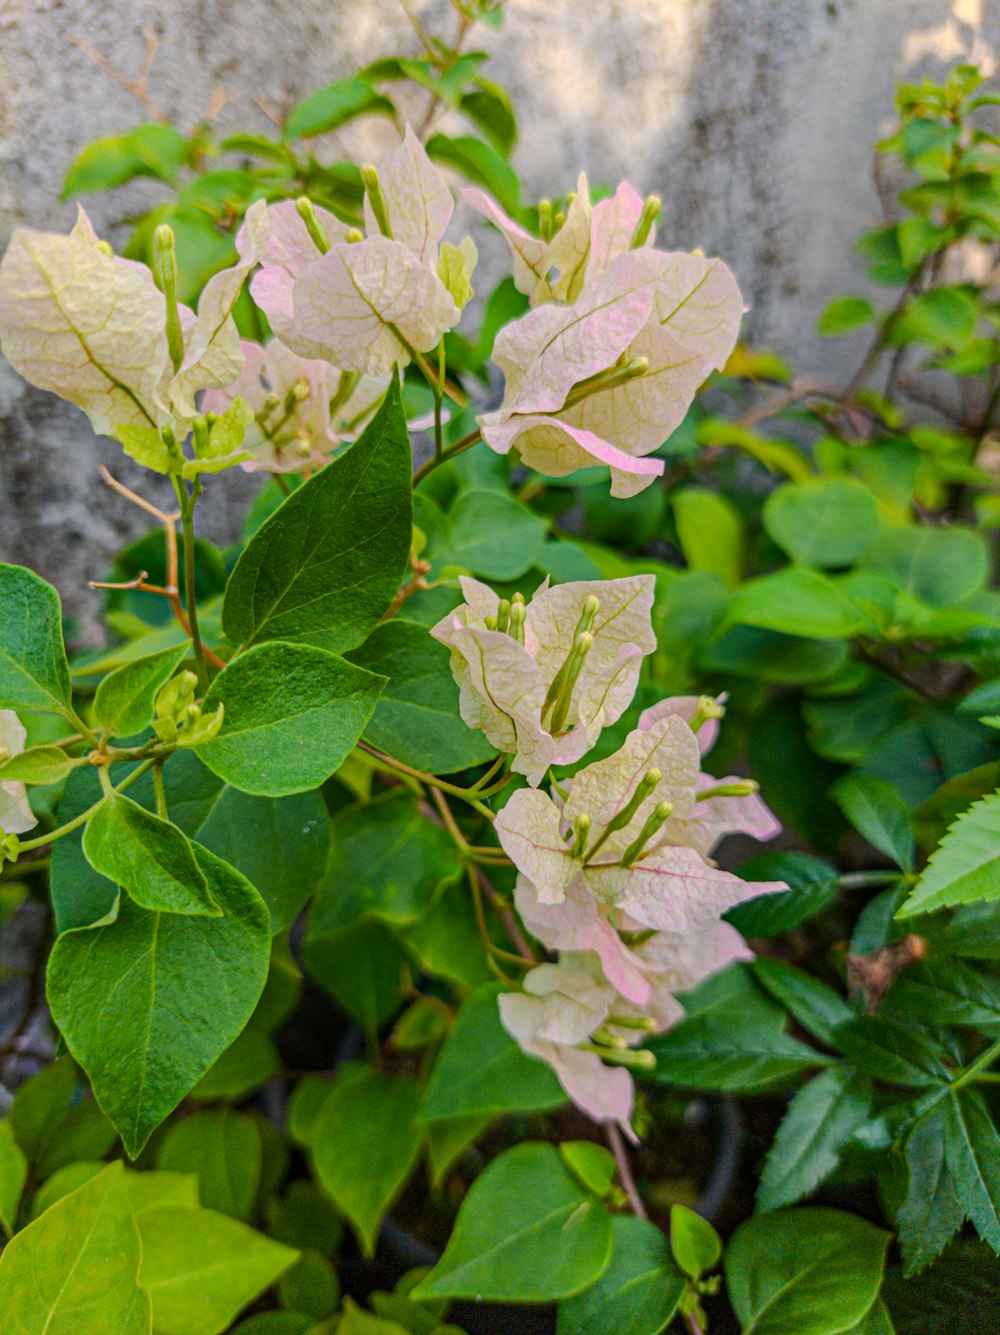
{"points": [[488, 106], [639, 1292], [481, 164], [104, 164], [876, 1321], [526, 1232], [818, 1008], [292, 715], [710, 532], [201, 1268], [39, 764], [362, 967], [385, 859], [416, 718], [73, 1271], [482, 1070], [844, 314], [249, 1062], [972, 1153], [812, 887], [890, 1051], [304, 1217], [797, 601], [958, 1295], [815, 1272], [311, 1286], [223, 1148], [148, 1002], [696, 1246], [826, 522], [365, 1144], [944, 316], [937, 992], [932, 1214], [592, 1165], [709, 1053], [324, 568], [40, 1103], [125, 698], [489, 534], [966, 865], [876, 810], [333, 106], [821, 1119], [355, 1321], [941, 566], [13, 1175], [34, 673], [446, 1140], [149, 857]]}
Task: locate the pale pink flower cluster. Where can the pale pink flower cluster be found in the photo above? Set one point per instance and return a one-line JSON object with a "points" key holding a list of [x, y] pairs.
{"points": [[16, 816], [620, 337], [615, 867]]}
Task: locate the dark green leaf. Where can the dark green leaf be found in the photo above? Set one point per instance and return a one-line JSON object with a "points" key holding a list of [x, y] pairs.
{"points": [[416, 717], [816, 1007], [147, 856], [365, 1144], [706, 1052], [481, 1069], [325, 566], [637, 1294], [957, 1296], [292, 715], [362, 966], [931, 1214], [481, 164], [972, 1153], [937, 992], [148, 1002], [807, 1271], [876, 810], [125, 698], [812, 886], [34, 673], [223, 1148], [526, 1232], [821, 1119], [888, 1050]]}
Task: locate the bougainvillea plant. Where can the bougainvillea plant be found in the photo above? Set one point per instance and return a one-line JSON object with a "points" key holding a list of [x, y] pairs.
{"points": [[416, 741]]}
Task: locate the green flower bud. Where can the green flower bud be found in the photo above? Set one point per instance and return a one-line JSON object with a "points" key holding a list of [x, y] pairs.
{"points": [[644, 226], [741, 788], [657, 818], [165, 276], [545, 219], [314, 227], [573, 667], [581, 833], [376, 198]]}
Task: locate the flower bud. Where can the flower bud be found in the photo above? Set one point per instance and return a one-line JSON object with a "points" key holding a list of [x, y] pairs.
{"points": [[644, 226], [573, 666], [581, 833], [657, 818], [545, 219], [165, 276], [646, 785], [354, 236], [705, 708], [314, 227], [503, 616], [376, 198], [105, 248], [741, 788], [517, 616], [639, 1059]]}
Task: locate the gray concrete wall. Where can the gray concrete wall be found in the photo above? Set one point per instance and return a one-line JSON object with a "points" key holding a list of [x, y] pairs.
{"points": [[754, 119]]}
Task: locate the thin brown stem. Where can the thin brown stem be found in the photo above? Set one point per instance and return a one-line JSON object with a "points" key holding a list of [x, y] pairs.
{"points": [[616, 1144], [506, 916]]}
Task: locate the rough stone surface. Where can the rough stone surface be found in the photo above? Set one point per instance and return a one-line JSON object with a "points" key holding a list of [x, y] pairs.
{"points": [[754, 119]]}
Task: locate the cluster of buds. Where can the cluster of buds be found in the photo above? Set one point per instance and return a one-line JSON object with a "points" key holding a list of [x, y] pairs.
{"points": [[615, 875], [543, 678], [179, 719]]}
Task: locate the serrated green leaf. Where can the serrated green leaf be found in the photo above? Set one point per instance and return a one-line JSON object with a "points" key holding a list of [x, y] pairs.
{"points": [[526, 1232], [966, 865], [125, 698], [812, 886], [192, 984], [324, 568], [931, 1214], [292, 715], [888, 1050], [821, 1119], [818, 1008], [972, 1153], [34, 673], [706, 1052]]}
